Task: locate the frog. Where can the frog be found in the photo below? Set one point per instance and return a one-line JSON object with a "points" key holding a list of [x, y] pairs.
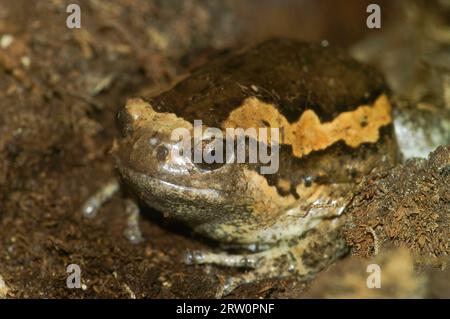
{"points": [[335, 119]]}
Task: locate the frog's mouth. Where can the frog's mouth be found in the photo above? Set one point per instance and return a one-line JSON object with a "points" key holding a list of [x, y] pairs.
{"points": [[159, 189], [192, 205], [185, 189]]}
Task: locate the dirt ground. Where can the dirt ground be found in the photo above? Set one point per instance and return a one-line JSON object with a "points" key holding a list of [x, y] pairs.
{"points": [[59, 93]]}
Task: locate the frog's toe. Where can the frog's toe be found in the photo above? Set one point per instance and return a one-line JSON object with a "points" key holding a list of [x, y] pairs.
{"points": [[266, 271], [132, 232], [96, 201], [233, 282]]}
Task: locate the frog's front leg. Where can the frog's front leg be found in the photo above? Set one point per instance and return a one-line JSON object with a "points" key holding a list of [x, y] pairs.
{"points": [[224, 259]]}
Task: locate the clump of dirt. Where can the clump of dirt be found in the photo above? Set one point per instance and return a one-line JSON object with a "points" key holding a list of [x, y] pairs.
{"points": [[408, 205]]}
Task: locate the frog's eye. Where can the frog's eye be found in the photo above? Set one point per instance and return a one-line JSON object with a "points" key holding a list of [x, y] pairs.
{"points": [[161, 153]]}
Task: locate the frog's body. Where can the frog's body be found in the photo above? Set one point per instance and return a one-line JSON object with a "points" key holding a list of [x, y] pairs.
{"points": [[336, 125]]}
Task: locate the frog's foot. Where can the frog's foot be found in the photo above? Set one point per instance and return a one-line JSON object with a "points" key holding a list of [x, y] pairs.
{"points": [[277, 262], [96, 201], [303, 258]]}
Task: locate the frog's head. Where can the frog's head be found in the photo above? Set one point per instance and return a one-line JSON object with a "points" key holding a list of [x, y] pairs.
{"points": [[155, 163]]}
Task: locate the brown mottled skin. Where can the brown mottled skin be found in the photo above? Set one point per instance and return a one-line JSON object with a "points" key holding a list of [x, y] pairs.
{"points": [[232, 203], [293, 75]]}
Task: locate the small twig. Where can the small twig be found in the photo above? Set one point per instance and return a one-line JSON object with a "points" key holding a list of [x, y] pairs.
{"points": [[375, 240]]}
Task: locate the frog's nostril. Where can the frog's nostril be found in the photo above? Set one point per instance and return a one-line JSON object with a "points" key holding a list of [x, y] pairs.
{"points": [[161, 153]]}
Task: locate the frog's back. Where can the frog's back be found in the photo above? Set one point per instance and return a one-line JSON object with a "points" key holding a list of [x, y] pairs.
{"points": [[292, 76]]}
